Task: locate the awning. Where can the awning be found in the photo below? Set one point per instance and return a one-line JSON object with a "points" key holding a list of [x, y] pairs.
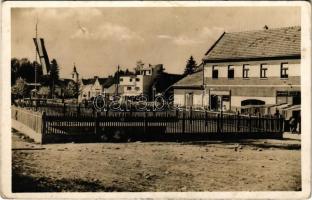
{"points": [[293, 108]]}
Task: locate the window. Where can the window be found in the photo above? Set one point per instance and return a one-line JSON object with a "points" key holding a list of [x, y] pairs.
{"points": [[284, 70], [137, 88], [130, 79], [128, 88], [121, 79], [245, 71], [214, 72], [263, 70], [137, 79], [230, 72]]}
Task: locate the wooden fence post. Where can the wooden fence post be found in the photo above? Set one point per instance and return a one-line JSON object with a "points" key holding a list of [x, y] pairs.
{"points": [[145, 122], [183, 122], [64, 108], [43, 123], [96, 123], [191, 115], [206, 118], [218, 123], [238, 122], [259, 123], [78, 110], [249, 123]]}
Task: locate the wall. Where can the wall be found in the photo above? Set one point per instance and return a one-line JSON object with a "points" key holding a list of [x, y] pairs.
{"points": [[253, 87], [273, 66], [180, 96]]}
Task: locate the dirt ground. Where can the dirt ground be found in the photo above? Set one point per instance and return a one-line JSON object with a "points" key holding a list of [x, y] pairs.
{"points": [[248, 165]]}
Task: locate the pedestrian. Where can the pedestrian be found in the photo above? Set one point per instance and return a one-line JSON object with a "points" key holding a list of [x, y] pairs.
{"points": [[277, 114], [292, 124]]}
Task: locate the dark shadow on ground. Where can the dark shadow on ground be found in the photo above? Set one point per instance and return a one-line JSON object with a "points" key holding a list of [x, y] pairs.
{"points": [[26, 183], [250, 143]]}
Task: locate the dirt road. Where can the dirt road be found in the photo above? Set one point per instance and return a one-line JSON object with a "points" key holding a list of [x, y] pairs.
{"points": [[254, 165]]}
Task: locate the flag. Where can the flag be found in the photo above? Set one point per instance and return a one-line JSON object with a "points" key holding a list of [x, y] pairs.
{"points": [[43, 55]]}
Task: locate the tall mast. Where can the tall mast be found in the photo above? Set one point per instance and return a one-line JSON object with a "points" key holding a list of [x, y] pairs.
{"points": [[36, 54]]}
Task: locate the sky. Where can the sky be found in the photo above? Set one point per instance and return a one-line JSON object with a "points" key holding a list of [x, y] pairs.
{"points": [[99, 39]]}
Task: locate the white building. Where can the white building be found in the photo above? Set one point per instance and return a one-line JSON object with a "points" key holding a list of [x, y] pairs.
{"points": [[252, 69], [141, 82], [93, 87]]}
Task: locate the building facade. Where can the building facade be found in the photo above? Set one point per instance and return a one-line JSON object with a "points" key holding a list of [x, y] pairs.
{"points": [[253, 69], [141, 82], [188, 92], [92, 87]]}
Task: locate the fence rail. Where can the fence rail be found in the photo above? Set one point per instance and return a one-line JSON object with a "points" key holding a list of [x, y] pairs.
{"points": [[29, 118], [168, 122], [55, 121]]}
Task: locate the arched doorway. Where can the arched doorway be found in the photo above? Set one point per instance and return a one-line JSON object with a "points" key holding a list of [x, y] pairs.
{"points": [[249, 102], [251, 106]]}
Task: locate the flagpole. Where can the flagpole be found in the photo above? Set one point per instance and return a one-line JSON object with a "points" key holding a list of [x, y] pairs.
{"points": [[36, 55]]}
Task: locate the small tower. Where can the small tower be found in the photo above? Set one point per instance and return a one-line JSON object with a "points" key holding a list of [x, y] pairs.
{"points": [[75, 74]]}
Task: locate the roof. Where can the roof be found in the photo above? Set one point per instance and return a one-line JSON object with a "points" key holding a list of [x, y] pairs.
{"points": [[105, 82], [112, 89], [88, 81], [192, 80], [277, 42]]}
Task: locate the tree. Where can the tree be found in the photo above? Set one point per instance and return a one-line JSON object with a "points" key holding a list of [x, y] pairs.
{"points": [[20, 88], [72, 90], [54, 76], [44, 91], [190, 66], [15, 66], [25, 69]]}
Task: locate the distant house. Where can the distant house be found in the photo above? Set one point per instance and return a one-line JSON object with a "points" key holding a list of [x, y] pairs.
{"points": [[189, 90], [247, 69], [61, 86], [92, 87], [140, 83]]}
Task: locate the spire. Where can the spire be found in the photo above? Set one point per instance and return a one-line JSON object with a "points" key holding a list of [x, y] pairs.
{"points": [[75, 70]]}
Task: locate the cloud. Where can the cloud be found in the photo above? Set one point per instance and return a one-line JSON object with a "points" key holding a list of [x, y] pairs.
{"points": [[64, 13], [183, 40], [164, 36], [106, 31], [211, 32], [196, 38]]}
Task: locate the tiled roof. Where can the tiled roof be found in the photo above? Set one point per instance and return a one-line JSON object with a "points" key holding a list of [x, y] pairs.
{"points": [[265, 43], [88, 81], [112, 89], [105, 82], [191, 80]]}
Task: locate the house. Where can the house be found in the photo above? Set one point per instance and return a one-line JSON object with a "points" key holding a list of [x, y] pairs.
{"points": [[188, 92], [250, 69], [253, 68], [92, 87], [139, 83]]}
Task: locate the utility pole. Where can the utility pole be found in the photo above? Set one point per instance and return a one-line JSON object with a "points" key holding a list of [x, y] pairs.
{"points": [[36, 56]]}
